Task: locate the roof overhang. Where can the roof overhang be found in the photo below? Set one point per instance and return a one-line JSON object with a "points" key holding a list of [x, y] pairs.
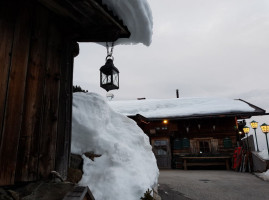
{"points": [[239, 115], [220, 115], [87, 20]]}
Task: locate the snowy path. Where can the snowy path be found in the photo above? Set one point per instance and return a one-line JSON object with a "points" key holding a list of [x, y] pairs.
{"points": [[211, 185]]}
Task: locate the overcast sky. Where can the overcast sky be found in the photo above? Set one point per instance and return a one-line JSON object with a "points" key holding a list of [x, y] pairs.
{"points": [[204, 48]]}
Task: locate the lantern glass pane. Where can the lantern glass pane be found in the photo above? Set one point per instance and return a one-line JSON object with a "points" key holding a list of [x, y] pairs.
{"points": [[246, 130], [263, 129], [109, 79], [116, 79], [104, 78], [254, 124]]}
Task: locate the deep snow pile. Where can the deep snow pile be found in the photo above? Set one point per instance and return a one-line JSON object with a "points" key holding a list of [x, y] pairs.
{"points": [[160, 108], [127, 167], [264, 175], [137, 16]]}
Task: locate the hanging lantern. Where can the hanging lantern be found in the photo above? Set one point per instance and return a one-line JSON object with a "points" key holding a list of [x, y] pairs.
{"points": [[109, 74]]}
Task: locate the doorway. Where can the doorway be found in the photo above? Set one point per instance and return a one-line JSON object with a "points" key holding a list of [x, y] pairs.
{"points": [[162, 152]]}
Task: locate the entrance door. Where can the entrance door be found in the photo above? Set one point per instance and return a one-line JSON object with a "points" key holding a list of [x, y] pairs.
{"points": [[161, 149]]}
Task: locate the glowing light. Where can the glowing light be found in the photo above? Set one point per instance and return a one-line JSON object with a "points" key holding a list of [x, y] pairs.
{"points": [[165, 121]]}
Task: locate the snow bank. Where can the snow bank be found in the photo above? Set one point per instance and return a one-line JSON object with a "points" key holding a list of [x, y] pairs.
{"points": [[264, 154], [127, 167], [161, 108], [137, 16], [264, 175]]}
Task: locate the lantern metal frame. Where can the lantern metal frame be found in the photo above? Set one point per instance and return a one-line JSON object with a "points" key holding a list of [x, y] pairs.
{"points": [[246, 131], [254, 125], [265, 130], [109, 75]]}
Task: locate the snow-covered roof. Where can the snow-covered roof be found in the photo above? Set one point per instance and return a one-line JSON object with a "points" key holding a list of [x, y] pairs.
{"points": [[184, 107], [137, 16]]}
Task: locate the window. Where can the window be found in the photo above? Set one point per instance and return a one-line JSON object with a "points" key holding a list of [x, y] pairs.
{"points": [[227, 142], [182, 143], [161, 152], [160, 147], [204, 146], [152, 131], [160, 142]]}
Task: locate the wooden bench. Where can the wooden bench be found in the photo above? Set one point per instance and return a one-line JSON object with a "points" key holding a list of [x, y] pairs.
{"points": [[223, 160]]}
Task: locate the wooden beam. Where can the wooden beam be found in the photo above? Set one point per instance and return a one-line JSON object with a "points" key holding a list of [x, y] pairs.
{"points": [[65, 110], [87, 20], [48, 136]]}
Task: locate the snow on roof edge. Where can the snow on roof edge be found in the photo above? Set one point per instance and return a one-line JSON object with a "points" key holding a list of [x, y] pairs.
{"points": [[137, 16], [186, 108]]}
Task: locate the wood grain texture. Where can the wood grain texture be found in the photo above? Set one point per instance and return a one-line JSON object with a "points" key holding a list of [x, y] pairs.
{"points": [[50, 109], [65, 111], [15, 96], [27, 162], [7, 25]]}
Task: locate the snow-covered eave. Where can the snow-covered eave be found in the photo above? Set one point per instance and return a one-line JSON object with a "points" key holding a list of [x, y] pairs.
{"points": [[152, 111], [257, 109], [242, 115], [238, 115]]}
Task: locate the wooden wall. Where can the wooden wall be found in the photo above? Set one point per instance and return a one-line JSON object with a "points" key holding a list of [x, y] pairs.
{"points": [[195, 129], [36, 63]]}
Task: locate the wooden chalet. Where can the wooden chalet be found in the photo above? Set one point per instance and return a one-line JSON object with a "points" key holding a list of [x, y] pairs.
{"points": [[189, 132], [38, 42]]}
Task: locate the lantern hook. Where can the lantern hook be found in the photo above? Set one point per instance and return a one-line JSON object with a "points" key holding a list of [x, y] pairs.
{"points": [[109, 57], [109, 52]]}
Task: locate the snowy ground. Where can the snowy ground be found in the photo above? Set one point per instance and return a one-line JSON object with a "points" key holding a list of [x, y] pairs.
{"points": [[127, 167], [211, 185], [264, 175]]}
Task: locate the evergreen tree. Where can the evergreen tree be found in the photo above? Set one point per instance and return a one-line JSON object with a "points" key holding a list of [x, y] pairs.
{"points": [[147, 195], [77, 88]]}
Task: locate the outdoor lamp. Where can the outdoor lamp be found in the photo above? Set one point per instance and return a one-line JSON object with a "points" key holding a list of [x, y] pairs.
{"points": [[246, 131], [265, 130], [254, 125], [109, 75], [165, 121]]}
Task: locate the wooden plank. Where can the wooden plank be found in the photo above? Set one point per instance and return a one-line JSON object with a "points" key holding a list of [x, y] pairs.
{"points": [[48, 136], [79, 193], [206, 164], [15, 96], [7, 24], [65, 111], [212, 157], [227, 164], [27, 162]]}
